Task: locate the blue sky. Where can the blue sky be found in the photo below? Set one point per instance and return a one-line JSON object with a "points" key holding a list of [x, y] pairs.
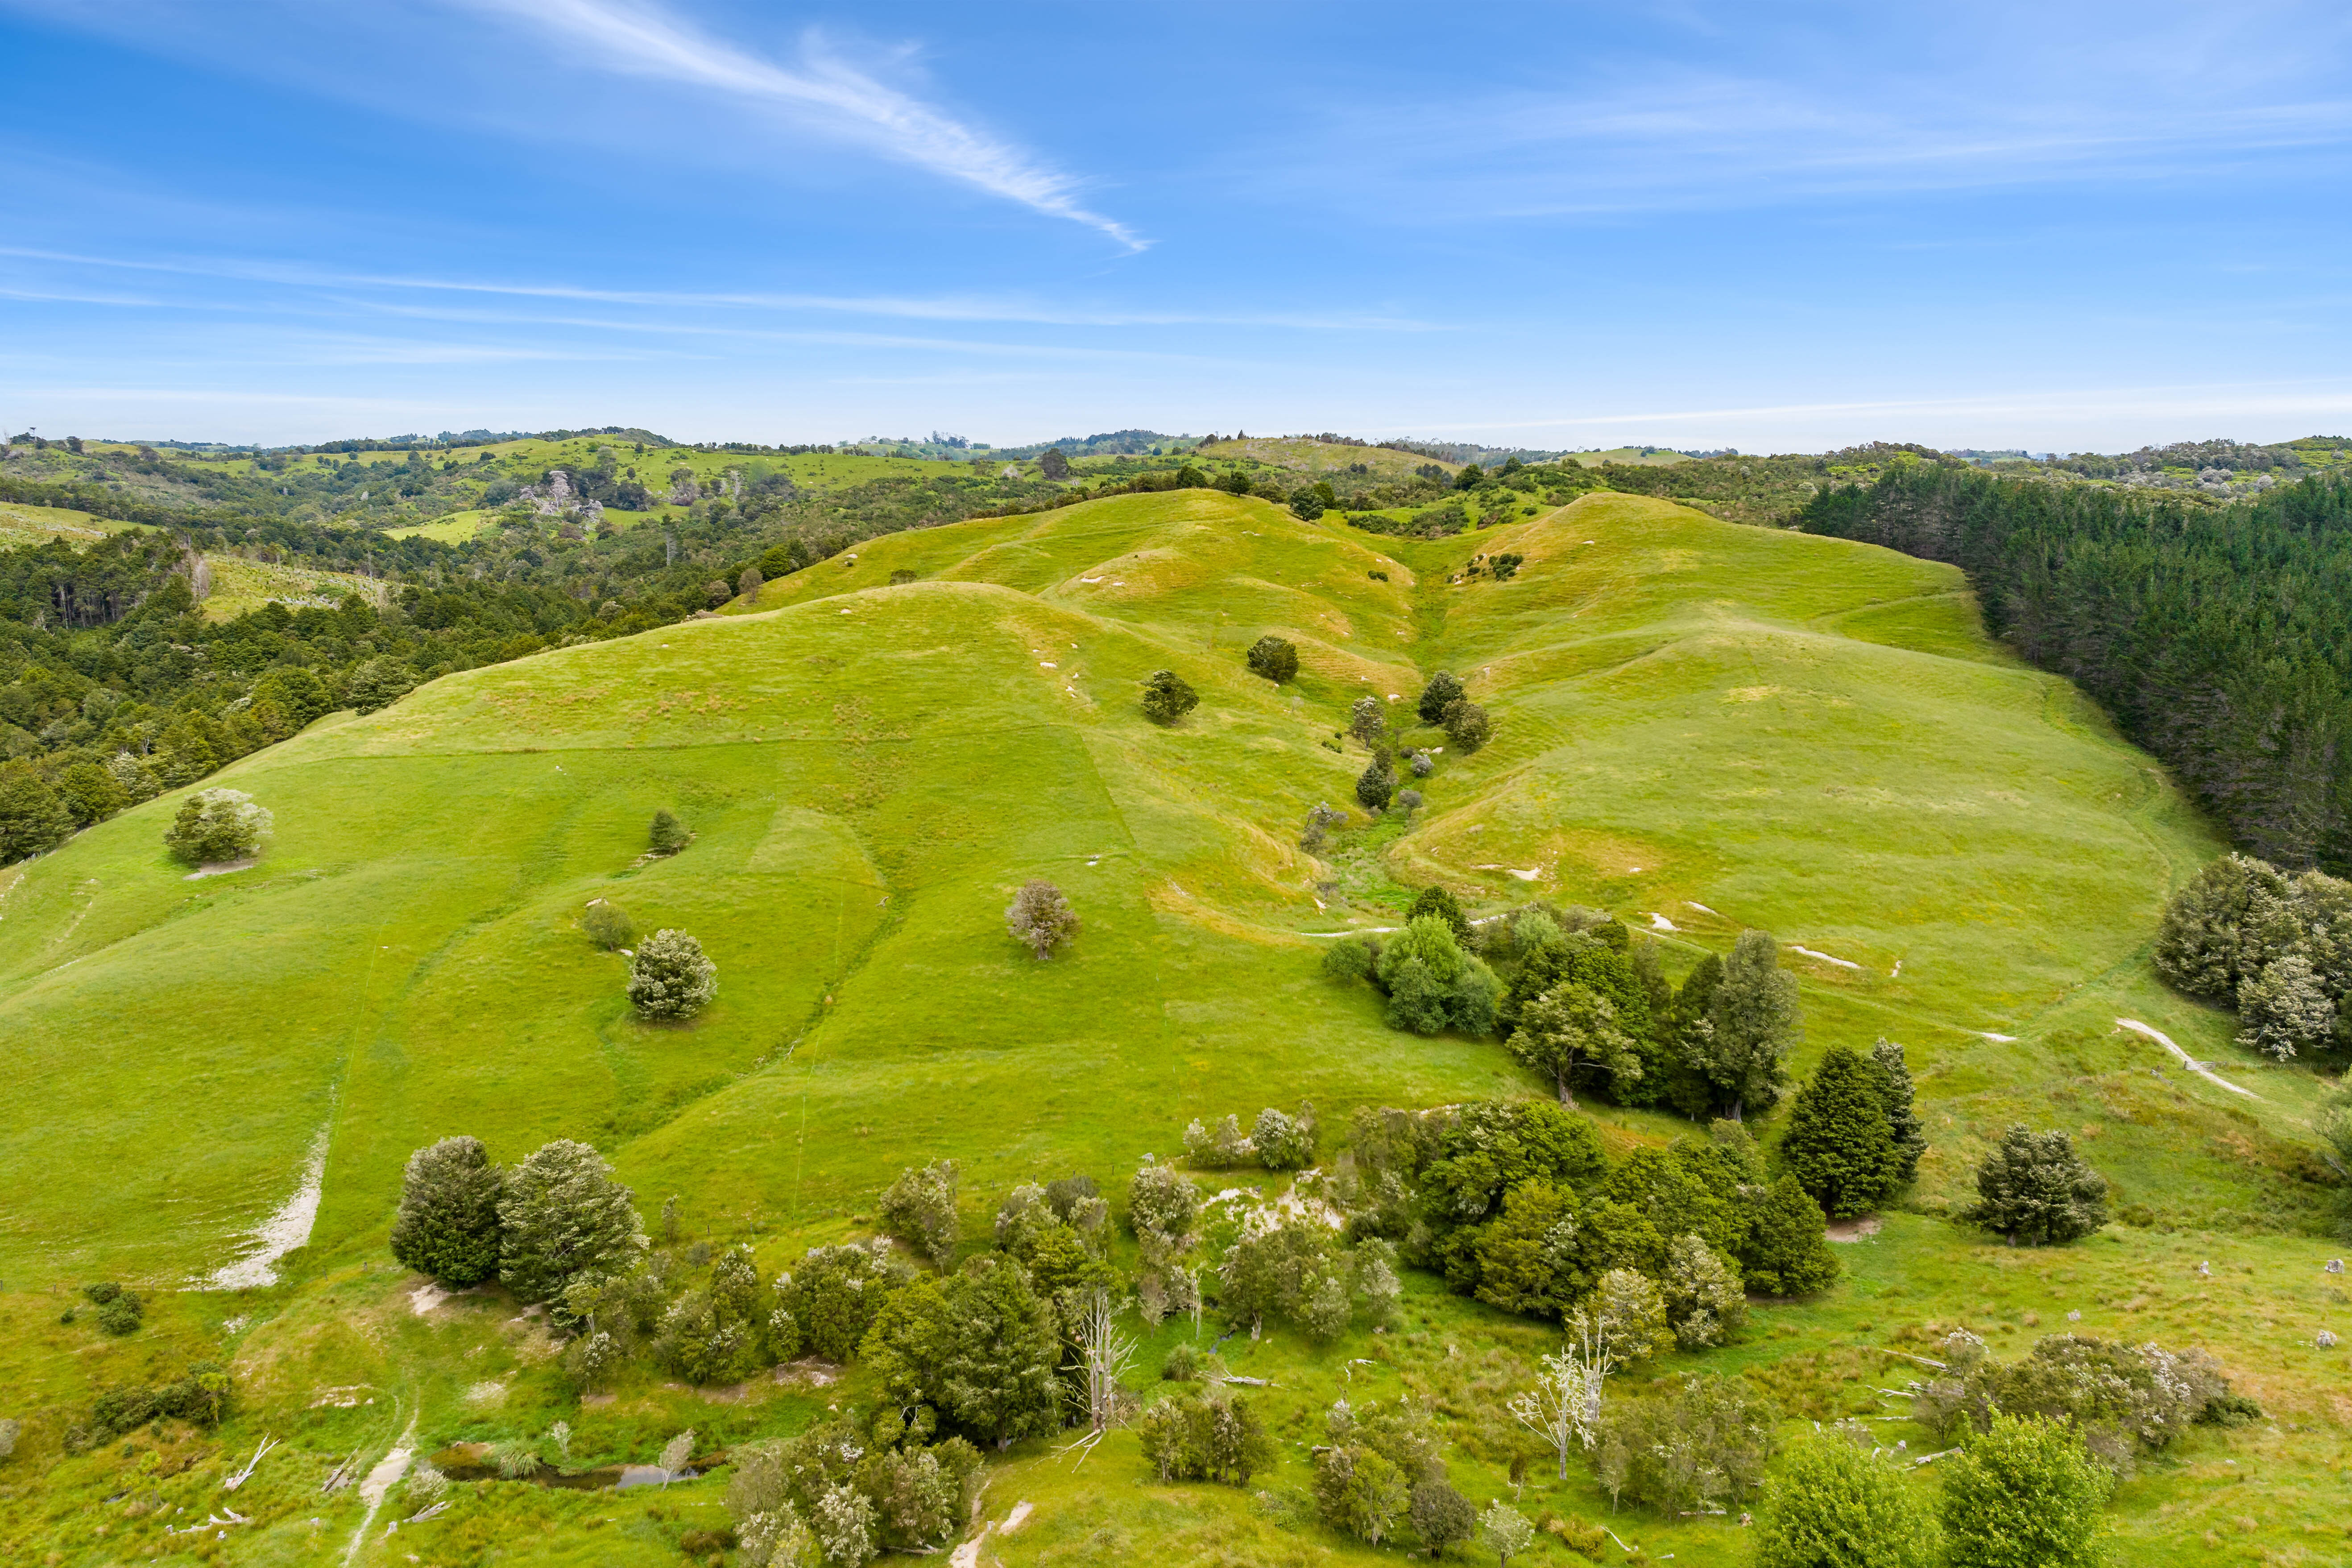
{"points": [[1777, 227]]}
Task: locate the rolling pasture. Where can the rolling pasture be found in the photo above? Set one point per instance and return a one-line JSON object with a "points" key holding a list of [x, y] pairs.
{"points": [[1700, 727]]}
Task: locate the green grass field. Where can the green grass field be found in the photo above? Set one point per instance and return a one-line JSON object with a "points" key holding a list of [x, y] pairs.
{"points": [[21, 525], [1797, 733]]}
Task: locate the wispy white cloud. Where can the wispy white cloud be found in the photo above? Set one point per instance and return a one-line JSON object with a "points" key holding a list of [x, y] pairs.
{"points": [[2226, 399], [941, 308], [640, 40]]}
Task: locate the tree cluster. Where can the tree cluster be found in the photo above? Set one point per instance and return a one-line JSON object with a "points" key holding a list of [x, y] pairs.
{"points": [[1854, 1138], [2121, 1400], [2276, 946], [1581, 1000], [1277, 1139], [1516, 1203], [537, 1226], [1381, 1469], [840, 1495]]}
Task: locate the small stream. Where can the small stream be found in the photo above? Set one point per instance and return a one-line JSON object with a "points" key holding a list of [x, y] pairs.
{"points": [[469, 1462]]}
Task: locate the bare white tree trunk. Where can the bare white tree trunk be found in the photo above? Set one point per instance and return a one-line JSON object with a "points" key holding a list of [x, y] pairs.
{"points": [[1106, 1354]]}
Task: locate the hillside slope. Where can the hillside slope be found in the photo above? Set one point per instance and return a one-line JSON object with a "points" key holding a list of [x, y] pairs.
{"points": [[1699, 727], [1793, 733]]}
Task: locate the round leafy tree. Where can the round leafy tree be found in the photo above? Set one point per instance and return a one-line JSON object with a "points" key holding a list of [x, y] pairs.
{"points": [[1276, 658], [1167, 698], [1442, 690], [2024, 1492], [670, 978], [216, 825], [608, 925], [563, 1215], [1375, 784], [1435, 899], [1832, 1505], [2035, 1189], [448, 1221], [1466, 724], [1040, 918]]}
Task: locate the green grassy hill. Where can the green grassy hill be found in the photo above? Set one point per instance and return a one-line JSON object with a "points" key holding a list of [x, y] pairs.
{"points": [[1700, 727]]}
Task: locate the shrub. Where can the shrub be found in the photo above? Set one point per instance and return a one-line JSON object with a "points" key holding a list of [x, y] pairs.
{"points": [[1703, 1442], [1375, 784], [1433, 985], [1704, 1302], [2034, 1188], [2118, 1398], [10, 1429], [379, 683], [448, 1227], [1439, 901], [1441, 1516], [561, 1216], [1833, 1506], [1276, 658], [1218, 1149], [1319, 823], [217, 824], [608, 925], [1359, 1491], [2023, 1492], [668, 834], [749, 584], [919, 1209], [119, 1311], [670, 978], [1210, 1438], [1163, 1203], [1283, 1142], [1506, 1533], [1466, 725], [901, 577], [1839, 1144], [1443, 689], [1423, 764], [1786, 1251], [1167, 698], [1349, 958], [1039, 917]]}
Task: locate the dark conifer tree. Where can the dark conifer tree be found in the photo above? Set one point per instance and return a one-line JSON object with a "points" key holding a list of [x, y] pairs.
{"points": [[1838, 1145]]}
